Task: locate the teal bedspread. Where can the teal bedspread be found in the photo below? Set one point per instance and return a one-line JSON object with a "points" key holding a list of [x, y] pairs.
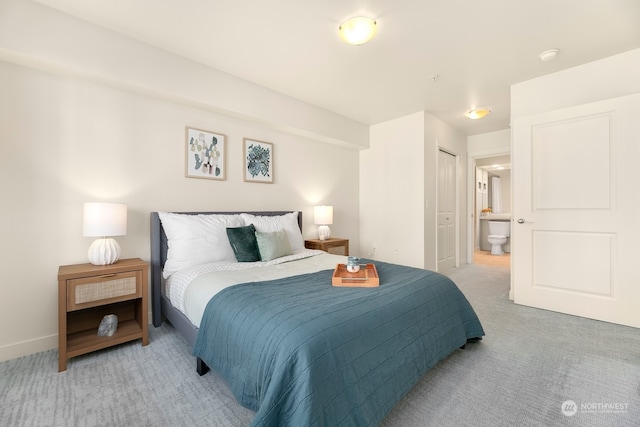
{"points": [[301, 352]]}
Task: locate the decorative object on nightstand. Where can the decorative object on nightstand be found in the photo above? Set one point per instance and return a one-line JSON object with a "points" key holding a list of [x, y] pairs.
{"points": [[323, 216], [108, 325], [104, 220], [87, 294], [329, 245]]}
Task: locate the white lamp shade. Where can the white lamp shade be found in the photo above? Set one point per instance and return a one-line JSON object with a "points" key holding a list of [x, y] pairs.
{"points": [[323, 215], [104, 219]]}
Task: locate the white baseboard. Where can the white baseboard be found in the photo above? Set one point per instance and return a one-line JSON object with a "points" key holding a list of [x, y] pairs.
{"points": [[25, 348]]}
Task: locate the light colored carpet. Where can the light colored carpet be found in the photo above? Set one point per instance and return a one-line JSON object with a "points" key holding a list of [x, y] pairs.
{"points": [[530, 362]]}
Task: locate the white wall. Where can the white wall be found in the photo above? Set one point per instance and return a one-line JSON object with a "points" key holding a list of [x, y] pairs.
{"points": [[398, 189], [489, 144], [481, 146], [39, 37], [392, 192], [607, 78], [65, 141], [76, 126]]}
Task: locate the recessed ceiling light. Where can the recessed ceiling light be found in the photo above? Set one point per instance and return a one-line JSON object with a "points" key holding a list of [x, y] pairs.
{"points": [[358, 30], [477, 113], [549, 55]]}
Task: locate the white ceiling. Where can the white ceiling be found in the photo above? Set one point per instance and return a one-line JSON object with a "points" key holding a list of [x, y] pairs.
{"points": [[477, 48], [493, 164]]}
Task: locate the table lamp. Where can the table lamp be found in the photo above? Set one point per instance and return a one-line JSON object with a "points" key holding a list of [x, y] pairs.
{"points": [[104, 220], [323, 216]]}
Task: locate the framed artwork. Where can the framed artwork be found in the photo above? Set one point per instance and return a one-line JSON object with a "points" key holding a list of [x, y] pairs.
{"points": [[205, 154], [258, 161]]}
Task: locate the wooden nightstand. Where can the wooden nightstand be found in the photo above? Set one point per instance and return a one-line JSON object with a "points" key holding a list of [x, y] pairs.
{"points": [[87, 292], [329, 245]]}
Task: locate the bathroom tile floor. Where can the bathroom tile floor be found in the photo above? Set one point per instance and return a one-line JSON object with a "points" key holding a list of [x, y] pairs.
{"points": [[485, 258]]}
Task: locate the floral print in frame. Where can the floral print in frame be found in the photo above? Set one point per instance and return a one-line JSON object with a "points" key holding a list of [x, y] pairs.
{"points": [[205, 154], [258, 161]]}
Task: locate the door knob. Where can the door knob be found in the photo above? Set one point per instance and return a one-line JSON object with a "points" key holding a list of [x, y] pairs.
{"points": [[521, 221]]}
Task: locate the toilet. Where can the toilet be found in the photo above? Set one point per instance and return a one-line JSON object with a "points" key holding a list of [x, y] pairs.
{"points": [[498, 233]]}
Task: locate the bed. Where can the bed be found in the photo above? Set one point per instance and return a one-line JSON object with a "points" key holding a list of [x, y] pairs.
{"points": [[293, 348]]}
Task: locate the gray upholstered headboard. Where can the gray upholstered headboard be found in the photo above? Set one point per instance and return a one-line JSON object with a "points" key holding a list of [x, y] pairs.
{"points": [[159, 248]]}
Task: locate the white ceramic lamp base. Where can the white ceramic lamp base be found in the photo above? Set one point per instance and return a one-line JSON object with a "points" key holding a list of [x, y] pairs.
{"points": [[104, 251], [324, 232]]}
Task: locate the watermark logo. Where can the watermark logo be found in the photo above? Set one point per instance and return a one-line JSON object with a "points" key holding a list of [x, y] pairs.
{"points": [[569, 408]]}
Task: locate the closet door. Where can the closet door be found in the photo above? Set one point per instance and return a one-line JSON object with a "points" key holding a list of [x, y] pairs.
{"points": [[446, 211]]}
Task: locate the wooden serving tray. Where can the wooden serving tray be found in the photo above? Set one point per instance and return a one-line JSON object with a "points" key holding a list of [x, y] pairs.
{"points": [[367, 277]]}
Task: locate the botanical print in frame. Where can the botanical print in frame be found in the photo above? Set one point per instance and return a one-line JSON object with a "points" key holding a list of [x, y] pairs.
{"points": [[258, 161], [205, 154]]}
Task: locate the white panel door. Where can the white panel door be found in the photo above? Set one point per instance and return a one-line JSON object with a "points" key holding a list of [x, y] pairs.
{"points": [[577, 211], [446, 211]]}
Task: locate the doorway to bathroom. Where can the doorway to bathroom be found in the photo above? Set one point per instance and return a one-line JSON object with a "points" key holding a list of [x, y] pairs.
{"points": [[492, 204], [490, 199]]}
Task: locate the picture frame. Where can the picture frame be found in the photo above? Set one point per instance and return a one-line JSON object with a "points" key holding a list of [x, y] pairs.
{"points": [[258, 161], [205, 154]]}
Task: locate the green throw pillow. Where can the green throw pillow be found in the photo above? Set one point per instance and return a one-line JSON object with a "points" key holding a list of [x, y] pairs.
{"points": [[244, 244], [273, 245]]}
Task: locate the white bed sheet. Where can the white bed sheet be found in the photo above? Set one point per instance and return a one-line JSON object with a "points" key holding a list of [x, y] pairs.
{"points": [[191, 289]]}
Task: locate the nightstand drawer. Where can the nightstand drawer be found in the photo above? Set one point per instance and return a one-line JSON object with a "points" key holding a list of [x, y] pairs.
{"points": [[99, 290]]}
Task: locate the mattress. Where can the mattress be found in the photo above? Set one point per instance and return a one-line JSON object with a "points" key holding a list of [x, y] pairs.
{"points": [[190, 290]]}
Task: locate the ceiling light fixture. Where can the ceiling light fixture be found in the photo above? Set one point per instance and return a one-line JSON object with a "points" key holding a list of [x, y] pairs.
{"points": [[358, 30], [477, 113], [549, 55]]}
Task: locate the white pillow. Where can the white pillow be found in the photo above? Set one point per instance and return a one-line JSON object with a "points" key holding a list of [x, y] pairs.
{"points": [[197, 239], [269, 224]]}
